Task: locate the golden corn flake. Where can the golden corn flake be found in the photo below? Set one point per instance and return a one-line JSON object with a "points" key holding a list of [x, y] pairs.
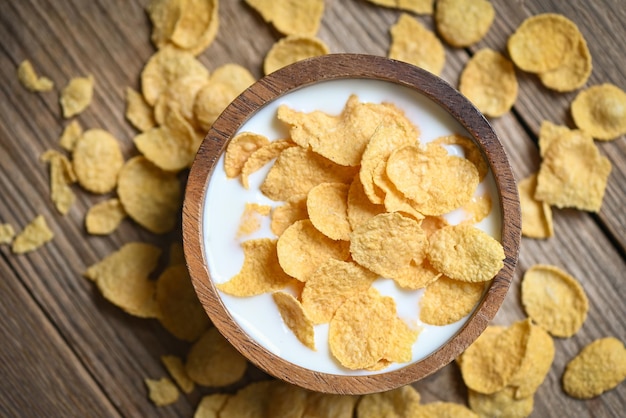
{"points": [[543, 42], [444, 410], [500, 404], [70, 135], [489, 82], [535, 365], [375, 248], [196, 26], [330, 285], [166, 66], [180, 310], [478, 208], [401, 402], [394, 200], [181, 94], [171, 146], [61, 176], [437, 183], [298, 170], [421, 7], [330, 405], [224, 85], [213, 362], [250, 219], [210, 406], [327, 206], [76, 96], [411, 42], [262, 156], [295, 318], [33, 236], [572, 73], [162, 392], [293, 48], [302, 248], [548, 133], [400, 346], [491, 361], [554, 300], [104, 217], [6, 233], [600, 111], [470, 149], [536, 215], [260, 272], [239, 150], [97, 160], [163, 14], [138, 112], [29, 78], [416, 275], [287, 400], [176, 369], [291, 17], [386, 138], [462, 23], [150, 196], [132, 259], [251, 401], [294, 209], [360, 208], [573, 173], [430, 224], [599, 367], [446, 301]]}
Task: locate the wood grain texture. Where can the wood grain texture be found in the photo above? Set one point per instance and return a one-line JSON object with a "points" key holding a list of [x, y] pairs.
{"points": [[97, 355]]}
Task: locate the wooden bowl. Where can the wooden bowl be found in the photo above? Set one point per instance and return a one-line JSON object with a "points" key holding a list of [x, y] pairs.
{"points": [[295, 77]]}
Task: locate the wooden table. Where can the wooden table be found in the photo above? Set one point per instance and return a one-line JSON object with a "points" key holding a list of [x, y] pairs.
{"points": [[65, 351]]}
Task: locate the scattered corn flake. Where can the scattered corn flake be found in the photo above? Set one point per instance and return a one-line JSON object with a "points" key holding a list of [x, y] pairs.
{"points": [[6, 233], [166, 66], [239, 149], [436, 183], [536, 215], [132, 259], [29, 78], [33, 236], [360, 208], [162, 392], [444, 410], [250, 401], [573, 173], [262, 156], [298, 170], [490, 362], [373, 246], [293, 48], [150, 196], [181, 94], [288, 401], [176, 369], [330, 285], [462, 23], [597, 368], [163, 14], [295, 317], [572, 73], [224, 85], [330, 405], [70, 135], [61, 176], [250, 219], [210, 406], [396, 403], [446, 301], [180, 311], [489, 82], [302, 249], [213, 362], [535, 365], [260, 272], [411, 42], [543, 42], [500, 404], [104, 217], [291, 17], [554, 300], [76, 96], [134, 293], [138, 112], [466, 253], [548, 133], [294, 209], [196, 26], [97, 160], [421, 7], [600, 111], [327, 206]]}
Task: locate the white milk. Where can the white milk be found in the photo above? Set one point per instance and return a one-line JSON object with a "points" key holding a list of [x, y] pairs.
{"points": [[226, 199]]}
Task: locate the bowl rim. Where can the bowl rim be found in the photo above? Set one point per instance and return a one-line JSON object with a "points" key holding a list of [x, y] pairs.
{"points": [[302, 74]]}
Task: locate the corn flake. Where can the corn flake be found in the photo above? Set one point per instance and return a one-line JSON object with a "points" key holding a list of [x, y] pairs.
{"points": [[250, 219], [500, 404], [327, 206], [6, 233], [239, 150], [421, 7], [396, 403], [411, 42], [251, 401], [572, 73], [61, 176], [330, 405], [29, 78], [444, 410], [288, 401], [104, 217], [548, 133], [176, 369], [76, 96], [138, 112], [163, 14], [446, 301], [291, 17], [33, 236], [196, 26], [294, 209], [536, 215], [162, 392], [181, 94], [295, 317], [600, 111], [70, 135], [535, 365], [132, 259], [97, 160], [462, 23], [210, 406], [293, 48], [262, 156]]}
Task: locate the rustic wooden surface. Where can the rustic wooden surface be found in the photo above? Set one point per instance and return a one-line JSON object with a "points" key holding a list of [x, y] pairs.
{"points": [[65, 351]]}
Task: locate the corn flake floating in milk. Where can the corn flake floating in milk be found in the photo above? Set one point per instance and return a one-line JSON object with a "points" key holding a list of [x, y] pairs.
{"points": [[29, 78], [462, 23], [411, 42], [239, 149], [360, 208], [600, 111], [293, 48], [295, 317], [76, 96], [327, 206], [33, 236], [291, 17], [250, 219], [294, 209], [445, 300], [262, 156], [97, 160], [104, 217]]}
